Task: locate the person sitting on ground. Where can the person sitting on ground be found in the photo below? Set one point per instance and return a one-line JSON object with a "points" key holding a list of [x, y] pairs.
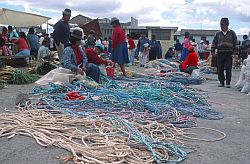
{"points": [[190, 63], [22, 44], [170, 53], [75, 59], [4, 34], [93, 57], [5, 49], [33, 42], [44, 53]]}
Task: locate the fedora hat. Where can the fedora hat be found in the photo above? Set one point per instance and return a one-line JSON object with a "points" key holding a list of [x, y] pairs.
{"points": [[67, 12], [77, 34], [114, 19]]}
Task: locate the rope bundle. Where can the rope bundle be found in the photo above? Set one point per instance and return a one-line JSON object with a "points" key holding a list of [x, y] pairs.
{"points": [[110, 140]]}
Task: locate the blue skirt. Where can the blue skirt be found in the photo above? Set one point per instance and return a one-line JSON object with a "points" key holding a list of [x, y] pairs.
{"points": [[120, 54], [184, 54]]}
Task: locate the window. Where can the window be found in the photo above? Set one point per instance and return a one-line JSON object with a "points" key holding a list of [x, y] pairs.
{"points": [[136, 33], [161, 34]]}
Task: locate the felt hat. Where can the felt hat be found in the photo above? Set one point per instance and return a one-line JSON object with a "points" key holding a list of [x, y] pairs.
{"points": [[100, 47], [67, 12], [77, 34], [114, 19]]}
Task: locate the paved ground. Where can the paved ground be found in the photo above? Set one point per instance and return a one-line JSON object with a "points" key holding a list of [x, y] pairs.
{"points": [[234, 149]]}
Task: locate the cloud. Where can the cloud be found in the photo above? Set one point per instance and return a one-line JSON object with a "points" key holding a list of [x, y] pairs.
{"points": [[203, 14]]}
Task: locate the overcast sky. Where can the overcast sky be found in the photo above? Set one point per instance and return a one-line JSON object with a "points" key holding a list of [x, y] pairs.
{"points": [[192, 14]]}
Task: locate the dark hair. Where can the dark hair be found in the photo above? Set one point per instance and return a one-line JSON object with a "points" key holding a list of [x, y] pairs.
{"points": [[128, 35], [245, 37], [193, 40], [116, 22], [73, 40], [170, 49], [31, 30], [46, 40], [22, 35], [4, 28], [105, 38], [187, 34], [177, 40], [10, 28], [207, 41]]}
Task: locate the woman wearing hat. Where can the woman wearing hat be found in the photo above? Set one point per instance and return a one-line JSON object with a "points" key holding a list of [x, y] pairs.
{"points": [[75, 59], [120, 52]]}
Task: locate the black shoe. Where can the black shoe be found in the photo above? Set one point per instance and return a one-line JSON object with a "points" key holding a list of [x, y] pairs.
{"points": [[228, 86], [221, 85]]}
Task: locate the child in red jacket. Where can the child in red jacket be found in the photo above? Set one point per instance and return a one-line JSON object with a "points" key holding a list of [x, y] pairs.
{"points": [[190, 63]]}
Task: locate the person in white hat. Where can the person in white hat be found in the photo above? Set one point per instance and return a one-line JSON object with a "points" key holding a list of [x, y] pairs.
{"points": [[119, 45]]}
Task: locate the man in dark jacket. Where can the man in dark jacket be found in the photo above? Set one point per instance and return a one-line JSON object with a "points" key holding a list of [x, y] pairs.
{"points": [[62, 32], [225, 41]]}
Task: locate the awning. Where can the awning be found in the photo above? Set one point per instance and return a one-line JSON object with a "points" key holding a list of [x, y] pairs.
{"points": [[21, 19]]}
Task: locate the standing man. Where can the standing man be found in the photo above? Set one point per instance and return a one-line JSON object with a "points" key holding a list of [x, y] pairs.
{"points": [[225, 41], [62, 32], [131, 48], [119, 45]]}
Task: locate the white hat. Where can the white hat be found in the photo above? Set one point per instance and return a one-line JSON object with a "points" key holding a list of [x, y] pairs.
{"points": [[201, 41]]}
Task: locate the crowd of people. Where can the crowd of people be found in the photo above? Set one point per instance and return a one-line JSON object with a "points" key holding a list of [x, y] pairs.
{"points": [[81, 54]]}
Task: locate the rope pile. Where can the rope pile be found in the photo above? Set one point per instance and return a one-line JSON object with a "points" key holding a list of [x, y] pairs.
{"points": [[110, 140]]}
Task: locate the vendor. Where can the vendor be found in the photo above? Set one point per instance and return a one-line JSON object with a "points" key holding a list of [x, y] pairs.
{"points": [[75, 59], [191, 62], [93, 55], [22, 44]]}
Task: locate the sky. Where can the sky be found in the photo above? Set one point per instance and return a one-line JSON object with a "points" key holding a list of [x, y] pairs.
{"points": [[184, 14]]}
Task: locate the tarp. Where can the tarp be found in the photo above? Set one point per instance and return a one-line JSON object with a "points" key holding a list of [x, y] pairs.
{"points": [[21, 19], [92, 25]]}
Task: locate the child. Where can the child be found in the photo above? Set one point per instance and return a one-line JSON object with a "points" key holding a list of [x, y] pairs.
{"points": [[44, 53]]}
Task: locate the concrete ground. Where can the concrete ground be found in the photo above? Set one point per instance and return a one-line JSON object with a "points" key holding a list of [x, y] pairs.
{"points": [[234, 149]]}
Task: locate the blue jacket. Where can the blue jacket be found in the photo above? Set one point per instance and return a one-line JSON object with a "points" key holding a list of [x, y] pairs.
{"points": [[33, 41], [61, 32], [68, 59], [141, 42]]}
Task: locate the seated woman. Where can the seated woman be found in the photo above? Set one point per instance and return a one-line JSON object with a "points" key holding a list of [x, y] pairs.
{"points": [[93, 56], [44, 53], [170, 53], [22, 44], [75, 59], [5, 49], [191, 62]]}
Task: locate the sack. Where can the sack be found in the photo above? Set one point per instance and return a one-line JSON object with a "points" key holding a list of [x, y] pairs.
{"points": [[241, 80], [59, 75]]}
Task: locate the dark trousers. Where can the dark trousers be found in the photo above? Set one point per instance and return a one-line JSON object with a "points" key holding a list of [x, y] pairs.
{"points": [[224, 62]]}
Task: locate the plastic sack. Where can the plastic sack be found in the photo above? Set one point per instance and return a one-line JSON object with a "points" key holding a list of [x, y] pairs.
{"points": [[195, 73], [242, 77], [59, 75]]}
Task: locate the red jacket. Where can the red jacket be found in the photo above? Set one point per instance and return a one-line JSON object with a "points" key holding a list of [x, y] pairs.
{"points": [[118, 36], [191, 60], [131, 43], [94, 58]]}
